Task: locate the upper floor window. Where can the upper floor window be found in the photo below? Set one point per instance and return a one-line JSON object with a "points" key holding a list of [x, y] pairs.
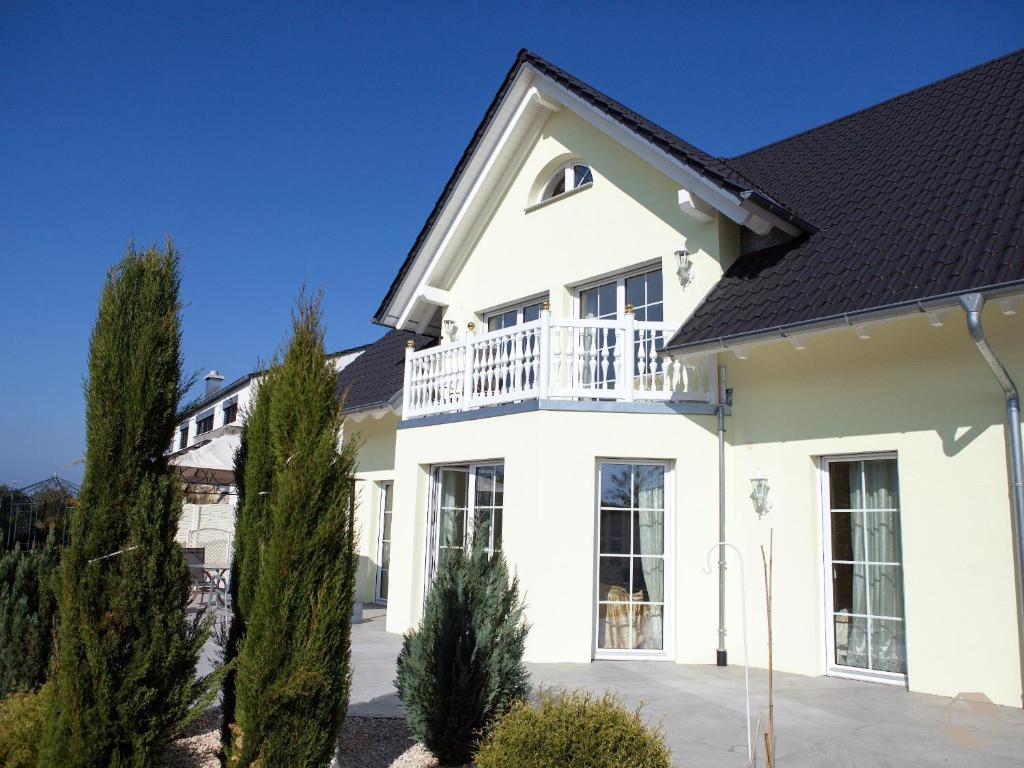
{"points": [[608, 299], [514, 315], [230, 412], [183, 436], [566, 178], [204, 424]]}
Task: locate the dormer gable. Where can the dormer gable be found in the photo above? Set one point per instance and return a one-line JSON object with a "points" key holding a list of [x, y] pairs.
{"points": [[534, 90]]}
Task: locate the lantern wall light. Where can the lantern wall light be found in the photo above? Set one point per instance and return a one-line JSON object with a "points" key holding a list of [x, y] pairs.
{"points": [[684, 267], [759, 494], [451, 328]]}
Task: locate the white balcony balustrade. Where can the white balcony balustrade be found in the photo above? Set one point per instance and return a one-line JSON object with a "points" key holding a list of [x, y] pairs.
{"points": [[554, 359]]}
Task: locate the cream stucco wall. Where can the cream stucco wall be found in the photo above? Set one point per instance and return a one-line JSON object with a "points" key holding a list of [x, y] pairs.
{"points": [[630, 216], [917, 391], [549, 527], [375, 464], [924, 394]]}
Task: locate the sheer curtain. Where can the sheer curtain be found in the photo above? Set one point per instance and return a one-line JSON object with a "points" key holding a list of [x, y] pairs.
{"points": [[881, 504], [650, 502]]}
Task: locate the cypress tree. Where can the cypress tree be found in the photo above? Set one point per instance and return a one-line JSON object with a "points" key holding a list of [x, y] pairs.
{"points": [[126, 653], [463, 666], [254, 475], [293, 673]]}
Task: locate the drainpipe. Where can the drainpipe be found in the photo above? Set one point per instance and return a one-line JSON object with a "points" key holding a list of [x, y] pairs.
{"points": [[972, 304], [721, 657]]}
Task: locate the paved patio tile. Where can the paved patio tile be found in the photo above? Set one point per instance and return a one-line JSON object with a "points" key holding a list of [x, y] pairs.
{"points": [[820, 721]]}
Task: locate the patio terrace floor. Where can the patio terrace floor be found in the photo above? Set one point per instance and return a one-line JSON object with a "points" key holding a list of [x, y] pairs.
{"points": [[819, 721]]}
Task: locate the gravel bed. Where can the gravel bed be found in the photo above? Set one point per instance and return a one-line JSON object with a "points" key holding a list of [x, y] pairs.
{"points": [[366, 742], [198, 746]]}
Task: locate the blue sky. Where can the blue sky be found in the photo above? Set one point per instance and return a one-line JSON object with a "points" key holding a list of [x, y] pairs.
{"points": [[302, 142]]}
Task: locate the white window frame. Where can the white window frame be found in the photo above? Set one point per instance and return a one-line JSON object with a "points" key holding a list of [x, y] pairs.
{"points": [[831, 668], [518, 306], [619, 278], [433, 529], [569, 181], [668, 616], [382, 487]]}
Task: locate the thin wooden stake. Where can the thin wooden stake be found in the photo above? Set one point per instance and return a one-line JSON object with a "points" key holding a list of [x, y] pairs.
{"points": [[769, 736]]}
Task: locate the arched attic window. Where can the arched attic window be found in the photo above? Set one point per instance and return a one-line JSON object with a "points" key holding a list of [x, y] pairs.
{"points": [[566, 178]]}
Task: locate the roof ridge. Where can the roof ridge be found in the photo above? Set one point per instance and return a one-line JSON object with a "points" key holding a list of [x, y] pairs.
{"points": [[526, 55], [841, 118]]}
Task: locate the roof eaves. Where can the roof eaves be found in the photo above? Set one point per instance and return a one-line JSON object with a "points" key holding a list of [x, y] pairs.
{"points": [[449, 186], [840, 320], [220, 392]]}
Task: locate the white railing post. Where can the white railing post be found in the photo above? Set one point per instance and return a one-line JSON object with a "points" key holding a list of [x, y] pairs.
{"points": [[545, 351], [407, 406], [629, 344], [467, 372]]}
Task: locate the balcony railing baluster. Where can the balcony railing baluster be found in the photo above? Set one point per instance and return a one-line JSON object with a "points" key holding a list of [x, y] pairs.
{"points": [[554, 358]]}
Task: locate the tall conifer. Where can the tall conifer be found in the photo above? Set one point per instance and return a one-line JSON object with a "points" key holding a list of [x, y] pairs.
{"points": [[126, 653], [254, 475], [293, 674]]}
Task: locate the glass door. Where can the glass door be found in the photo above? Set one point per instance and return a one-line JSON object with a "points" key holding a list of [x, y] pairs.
{"points": [[597, 345], [384, 543], [469, 499], [866, 628], [631, 617]]}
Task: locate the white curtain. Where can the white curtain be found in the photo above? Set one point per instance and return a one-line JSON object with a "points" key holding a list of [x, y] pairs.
{"points": [[888, 649], [875, 580], [651, 529]]}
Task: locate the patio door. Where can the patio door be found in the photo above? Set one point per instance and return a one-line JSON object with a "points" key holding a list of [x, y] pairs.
{"points": [[608, 301], [468, 504], [631, 615], [866, 624], [384, 542]]}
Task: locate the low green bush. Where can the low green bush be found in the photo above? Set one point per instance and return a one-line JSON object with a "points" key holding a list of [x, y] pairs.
{"points": [[463, 667], [21, 728], [573, 730], [28, 610]]}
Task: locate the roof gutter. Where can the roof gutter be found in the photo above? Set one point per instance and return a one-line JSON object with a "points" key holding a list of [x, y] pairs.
{"points": [[972, 304], [946, 301]]}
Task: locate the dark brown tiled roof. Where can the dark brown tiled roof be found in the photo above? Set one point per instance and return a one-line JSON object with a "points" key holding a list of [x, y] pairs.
{"points": [[377, 375], [717, 170], [919, 197]]}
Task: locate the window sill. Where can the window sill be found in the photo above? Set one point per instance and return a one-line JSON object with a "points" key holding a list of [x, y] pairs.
{"points": [[556, 198]]}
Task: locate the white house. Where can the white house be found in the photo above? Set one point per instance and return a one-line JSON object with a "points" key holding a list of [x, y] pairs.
{"points": [[644, 349]]}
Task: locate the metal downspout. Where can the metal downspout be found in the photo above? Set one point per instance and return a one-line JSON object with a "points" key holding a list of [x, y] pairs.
{"points": [[721, 656], [972, 304]]}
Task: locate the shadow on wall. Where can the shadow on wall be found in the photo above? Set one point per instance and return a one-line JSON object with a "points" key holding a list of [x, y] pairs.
{"points": [[908, 377]]}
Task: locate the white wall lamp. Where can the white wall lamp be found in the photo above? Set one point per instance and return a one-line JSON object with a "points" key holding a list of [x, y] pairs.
{"points": [[684, 267], [759, 494], [451, 328]]}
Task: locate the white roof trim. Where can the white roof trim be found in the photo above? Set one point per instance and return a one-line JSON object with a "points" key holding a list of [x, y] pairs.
{"points": [[530, 99]]}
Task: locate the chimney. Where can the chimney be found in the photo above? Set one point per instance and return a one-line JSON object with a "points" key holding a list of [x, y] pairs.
{"points": [[213, 380]]}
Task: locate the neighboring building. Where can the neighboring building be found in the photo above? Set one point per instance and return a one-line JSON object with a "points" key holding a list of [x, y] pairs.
{"points": [[204, 448], [604, 291]]}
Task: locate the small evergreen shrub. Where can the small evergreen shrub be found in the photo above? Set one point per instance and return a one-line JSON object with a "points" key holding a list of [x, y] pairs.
{"points": [[573, 730], [21, 728], [28, 610], [463, 666]]}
